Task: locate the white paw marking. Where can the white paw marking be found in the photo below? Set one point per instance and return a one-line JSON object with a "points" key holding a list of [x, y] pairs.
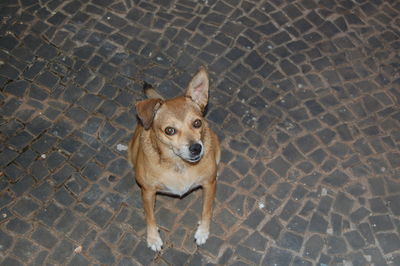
{"points": [[201, 235], [154, 241]]}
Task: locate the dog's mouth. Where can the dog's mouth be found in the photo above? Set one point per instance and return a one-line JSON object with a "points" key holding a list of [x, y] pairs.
{"points": [[193, 160]]}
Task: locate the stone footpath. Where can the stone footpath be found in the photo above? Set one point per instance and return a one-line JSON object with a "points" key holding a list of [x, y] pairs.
{"points": [[305, 98]]}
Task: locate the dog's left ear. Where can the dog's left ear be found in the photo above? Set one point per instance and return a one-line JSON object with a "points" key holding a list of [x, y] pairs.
{"points": [[146, 111], [198, 88]]}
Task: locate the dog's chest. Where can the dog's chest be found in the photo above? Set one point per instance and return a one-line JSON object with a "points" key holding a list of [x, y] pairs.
{"points": [[179, 181], [178, 189]]}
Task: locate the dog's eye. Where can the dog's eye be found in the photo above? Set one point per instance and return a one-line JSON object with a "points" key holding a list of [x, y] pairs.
{"points": [[170, 131], [197, 123]]}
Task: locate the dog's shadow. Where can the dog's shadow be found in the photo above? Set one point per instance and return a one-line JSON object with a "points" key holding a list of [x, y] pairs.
{"points": [[162, 193]]}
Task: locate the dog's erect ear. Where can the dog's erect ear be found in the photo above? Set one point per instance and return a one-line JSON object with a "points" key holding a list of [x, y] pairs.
{"points": [[198, 88], [146, 111]]}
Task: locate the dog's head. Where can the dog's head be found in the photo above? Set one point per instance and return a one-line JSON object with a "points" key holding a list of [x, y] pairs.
{"points": [[178, 123]]}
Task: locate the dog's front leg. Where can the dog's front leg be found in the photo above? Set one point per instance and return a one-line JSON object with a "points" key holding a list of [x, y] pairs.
{"points": [[153, 237], [203, 230]]}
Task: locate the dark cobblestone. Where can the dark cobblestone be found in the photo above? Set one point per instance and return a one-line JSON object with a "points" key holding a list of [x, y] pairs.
{"points": [[62, 251], [102, 253], [313, 246], [49, 214], [307, 143], [273, 228], [381, 223], [377, 205], [355, 239], [276, 256], [389, 242], [39, 259], [254, 219], [336, 245], [11, 261], [6, 241], [289, 209], [282, 190], [175, 257], [248, 254], [280, 166], [22, 185], [291, 241], [271, 204], [78, 260], [126, 244], [359, 214], [227, 218], [24, 249], [142, 253], [336, 179], [66, 222], [43, 191], [99, 215], [343, 204], [25, 206], [79, 231], [18, 226], [318, 224], [297, 224]]}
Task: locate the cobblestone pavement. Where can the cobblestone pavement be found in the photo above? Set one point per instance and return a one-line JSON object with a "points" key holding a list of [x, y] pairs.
{"points": [[305, 98]]}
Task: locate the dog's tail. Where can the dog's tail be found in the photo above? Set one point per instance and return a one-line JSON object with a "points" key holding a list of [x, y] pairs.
{"points": [[150, 92]]}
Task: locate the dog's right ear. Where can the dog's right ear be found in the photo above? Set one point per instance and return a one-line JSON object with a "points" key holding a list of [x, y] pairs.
{"points": [[146, 111], [198, 88]]}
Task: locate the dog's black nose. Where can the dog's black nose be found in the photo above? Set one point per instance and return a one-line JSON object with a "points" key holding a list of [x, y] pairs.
{"points": [[195, 149]]}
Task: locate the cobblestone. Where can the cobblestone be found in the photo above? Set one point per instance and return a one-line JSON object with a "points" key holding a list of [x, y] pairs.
{"points": [[304, 96]]}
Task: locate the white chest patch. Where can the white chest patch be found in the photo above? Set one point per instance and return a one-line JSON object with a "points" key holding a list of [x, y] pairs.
{"points": [[179, 180], [179, 191], [179, 184]]}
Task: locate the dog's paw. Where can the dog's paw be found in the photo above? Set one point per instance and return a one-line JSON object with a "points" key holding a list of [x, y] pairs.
{"points": [[201, 235], [154, 241]]}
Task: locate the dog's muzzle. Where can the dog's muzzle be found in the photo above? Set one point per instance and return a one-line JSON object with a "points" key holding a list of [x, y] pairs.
{"points": [[196, 152]]}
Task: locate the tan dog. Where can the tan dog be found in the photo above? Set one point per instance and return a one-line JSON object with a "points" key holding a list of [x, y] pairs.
{"points": [[174, 151]]}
